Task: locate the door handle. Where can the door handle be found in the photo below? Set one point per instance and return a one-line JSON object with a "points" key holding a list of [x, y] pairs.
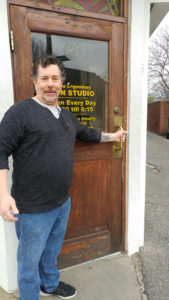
{"points": [[121, 143], [117, 146]]}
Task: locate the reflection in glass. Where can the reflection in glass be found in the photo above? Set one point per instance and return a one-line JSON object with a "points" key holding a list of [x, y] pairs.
{"points": [[85, 91]]}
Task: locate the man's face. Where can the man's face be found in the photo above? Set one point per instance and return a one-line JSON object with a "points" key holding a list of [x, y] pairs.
{"points": [[48, 84]]}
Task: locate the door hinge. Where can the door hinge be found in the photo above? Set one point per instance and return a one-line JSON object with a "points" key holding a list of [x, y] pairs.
{"points": [[12, 42]]}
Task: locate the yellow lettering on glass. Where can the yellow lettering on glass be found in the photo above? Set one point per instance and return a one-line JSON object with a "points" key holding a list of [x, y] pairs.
{"points": [[63, 93]]}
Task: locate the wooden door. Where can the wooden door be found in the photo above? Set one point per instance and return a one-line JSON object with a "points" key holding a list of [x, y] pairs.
{"points": [[95, 222]]}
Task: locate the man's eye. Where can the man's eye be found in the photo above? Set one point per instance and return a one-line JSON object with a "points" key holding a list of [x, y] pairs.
{"points": [[55, 78]]}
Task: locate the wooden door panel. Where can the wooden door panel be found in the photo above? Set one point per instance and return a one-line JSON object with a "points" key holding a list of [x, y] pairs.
{"points": [[86, 248], [86, 151], [117, 63], [62, 24], [115, 208], [89, 198], [22, 62], [116, 70]]}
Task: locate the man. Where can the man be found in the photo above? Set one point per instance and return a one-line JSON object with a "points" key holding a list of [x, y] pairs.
{"points": [[41, 136]]}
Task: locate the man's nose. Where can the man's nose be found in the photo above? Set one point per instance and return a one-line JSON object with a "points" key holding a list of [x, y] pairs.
{"points": [[50, 82]]}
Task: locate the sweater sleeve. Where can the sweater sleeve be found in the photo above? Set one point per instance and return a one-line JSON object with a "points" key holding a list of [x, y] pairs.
{"points": [[11, 131], [86, 134]]}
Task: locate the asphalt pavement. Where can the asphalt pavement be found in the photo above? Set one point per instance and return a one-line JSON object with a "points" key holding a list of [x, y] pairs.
{"points": [[154, 256]]}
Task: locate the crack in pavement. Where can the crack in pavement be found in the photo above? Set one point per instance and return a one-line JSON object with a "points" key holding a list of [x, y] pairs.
{"points": [[154, 169]]}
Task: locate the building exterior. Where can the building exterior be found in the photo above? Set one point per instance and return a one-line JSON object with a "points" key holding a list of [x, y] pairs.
{"points": [[157, 117], [104, 47]]}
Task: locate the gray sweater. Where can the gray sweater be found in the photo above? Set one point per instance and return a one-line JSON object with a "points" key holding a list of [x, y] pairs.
{"points": [[43, 154]]}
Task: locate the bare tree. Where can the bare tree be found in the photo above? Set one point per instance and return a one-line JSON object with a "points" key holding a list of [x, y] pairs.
{"points": [[158, 77]]}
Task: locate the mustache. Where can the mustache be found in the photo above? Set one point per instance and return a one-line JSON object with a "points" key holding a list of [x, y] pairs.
{"points": [[50, 90]]}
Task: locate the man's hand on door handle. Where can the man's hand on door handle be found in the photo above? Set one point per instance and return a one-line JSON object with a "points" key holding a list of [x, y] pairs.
{"points": [[118, 136]]}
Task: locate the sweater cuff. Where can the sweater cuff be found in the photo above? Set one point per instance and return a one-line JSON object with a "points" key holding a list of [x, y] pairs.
{"points": [[99, 134], [4, 165]]}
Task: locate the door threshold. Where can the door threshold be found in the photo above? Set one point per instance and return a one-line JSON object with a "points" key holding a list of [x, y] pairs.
{"points": [[87, 262]]}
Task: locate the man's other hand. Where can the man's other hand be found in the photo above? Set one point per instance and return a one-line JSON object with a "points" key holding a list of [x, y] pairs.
{"points": [[8, 208]]}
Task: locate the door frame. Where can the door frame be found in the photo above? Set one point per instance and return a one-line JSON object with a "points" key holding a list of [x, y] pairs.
{"points": [[123, 18]]}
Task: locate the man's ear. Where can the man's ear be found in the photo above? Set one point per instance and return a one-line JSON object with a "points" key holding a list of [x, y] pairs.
{"points": [[34, 83]]}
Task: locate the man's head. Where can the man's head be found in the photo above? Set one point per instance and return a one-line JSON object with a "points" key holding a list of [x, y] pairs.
{"points": [[48, 76]]}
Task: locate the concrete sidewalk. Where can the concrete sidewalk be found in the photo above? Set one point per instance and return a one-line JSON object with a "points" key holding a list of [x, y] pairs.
{"points": [[111, 278]]}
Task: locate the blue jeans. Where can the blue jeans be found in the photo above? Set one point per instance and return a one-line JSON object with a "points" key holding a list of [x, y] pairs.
{"points": [[40, 238]]}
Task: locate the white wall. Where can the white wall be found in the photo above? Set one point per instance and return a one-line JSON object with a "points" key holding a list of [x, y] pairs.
{"points": [[136, 146], [8, 240]]}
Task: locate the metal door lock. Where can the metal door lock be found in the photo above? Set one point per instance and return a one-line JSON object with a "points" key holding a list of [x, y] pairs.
{"points": [[116, 110]]}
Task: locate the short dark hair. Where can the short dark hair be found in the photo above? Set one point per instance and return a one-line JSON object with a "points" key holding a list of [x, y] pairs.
{"points": [[46, 61]]}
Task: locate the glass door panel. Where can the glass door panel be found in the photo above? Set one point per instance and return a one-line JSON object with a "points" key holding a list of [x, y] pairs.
{"points": [[85, 91]]}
